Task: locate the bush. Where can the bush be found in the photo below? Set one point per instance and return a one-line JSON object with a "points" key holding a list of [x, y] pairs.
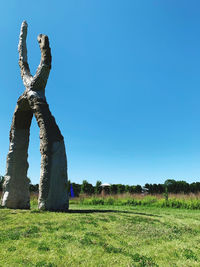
{"points": [[87, 188]]}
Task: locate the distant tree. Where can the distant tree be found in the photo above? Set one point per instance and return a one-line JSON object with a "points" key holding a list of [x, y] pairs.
{"points": [[161, 188], [154, 188], [132, 189], [34, 188], [138, 189], [98, 187], [146, 187], [127, 188], [177, 186], [1, 182], [113, 189], [182, 187], [195, 187], [120, 188], [170, 184], [87, 188], [150, 190], [76, 189]]}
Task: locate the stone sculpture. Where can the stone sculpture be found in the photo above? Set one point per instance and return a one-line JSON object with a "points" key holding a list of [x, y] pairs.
{"points": [[53, 175]]}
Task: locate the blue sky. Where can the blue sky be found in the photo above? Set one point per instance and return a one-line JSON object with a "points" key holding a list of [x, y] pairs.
{"points": [[124, 86]]}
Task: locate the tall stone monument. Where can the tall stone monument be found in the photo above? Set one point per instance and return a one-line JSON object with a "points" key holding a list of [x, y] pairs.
{"points": [[53, 193]]}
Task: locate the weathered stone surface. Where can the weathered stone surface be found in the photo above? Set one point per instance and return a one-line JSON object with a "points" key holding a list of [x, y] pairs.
{"points": [[16, 185], [57, 198], [53, 174], [53, 177]]}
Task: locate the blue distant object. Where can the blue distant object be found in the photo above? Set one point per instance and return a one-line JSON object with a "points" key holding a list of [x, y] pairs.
{"points": [[72, 191]]}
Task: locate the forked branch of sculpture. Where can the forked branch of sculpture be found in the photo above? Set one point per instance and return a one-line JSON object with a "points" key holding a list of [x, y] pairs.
{"points": [[53, 175]]}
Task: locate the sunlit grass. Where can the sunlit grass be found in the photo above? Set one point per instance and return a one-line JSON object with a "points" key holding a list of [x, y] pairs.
{"points": [[189, 201], [100, 235]]}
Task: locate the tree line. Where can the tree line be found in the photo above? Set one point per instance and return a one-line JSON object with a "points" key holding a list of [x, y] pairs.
{"points": [[169, 186], [89, 189]]}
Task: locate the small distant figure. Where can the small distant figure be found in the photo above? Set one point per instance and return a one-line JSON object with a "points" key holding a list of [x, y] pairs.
{"points": [[72, 191]]}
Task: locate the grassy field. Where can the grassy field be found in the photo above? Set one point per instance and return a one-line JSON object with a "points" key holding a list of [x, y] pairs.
{"points": [[185, 201], [100, 236]]}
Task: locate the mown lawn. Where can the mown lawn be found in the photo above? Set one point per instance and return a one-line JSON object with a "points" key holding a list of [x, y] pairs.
{"points": [[100, 236]]}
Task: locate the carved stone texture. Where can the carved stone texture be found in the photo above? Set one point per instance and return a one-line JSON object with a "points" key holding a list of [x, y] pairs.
{"points": [[53, 176]]}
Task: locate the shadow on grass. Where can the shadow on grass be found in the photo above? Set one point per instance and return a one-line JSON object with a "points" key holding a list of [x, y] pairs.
{"points": [[89, 211], [109, 211]]}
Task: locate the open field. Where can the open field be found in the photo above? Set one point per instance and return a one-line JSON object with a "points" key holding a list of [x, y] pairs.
{"points": [[100, 236], [185, 201]]}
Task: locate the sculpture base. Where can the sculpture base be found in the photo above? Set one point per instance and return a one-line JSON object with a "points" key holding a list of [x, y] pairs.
{"points": [[56, 199], [15, 198]]}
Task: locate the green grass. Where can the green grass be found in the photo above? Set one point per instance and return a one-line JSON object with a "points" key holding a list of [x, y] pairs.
{"points": [[100, 235], [174, 201]]}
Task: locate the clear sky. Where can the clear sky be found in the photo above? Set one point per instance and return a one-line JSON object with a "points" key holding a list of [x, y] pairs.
{"points": [[124, 86]]}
